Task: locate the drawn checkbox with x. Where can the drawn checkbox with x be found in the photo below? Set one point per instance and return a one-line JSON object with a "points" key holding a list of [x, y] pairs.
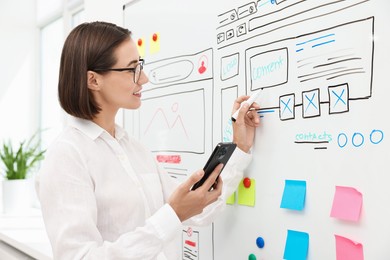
{"points": [[287, 107], [338, 99], [311, 103]]}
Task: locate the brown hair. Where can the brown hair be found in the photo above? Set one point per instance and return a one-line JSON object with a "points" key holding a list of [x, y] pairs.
{"points": [[89, 46]]}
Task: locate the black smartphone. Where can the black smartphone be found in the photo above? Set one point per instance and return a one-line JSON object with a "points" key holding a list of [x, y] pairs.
{"points": [[221, 154]]}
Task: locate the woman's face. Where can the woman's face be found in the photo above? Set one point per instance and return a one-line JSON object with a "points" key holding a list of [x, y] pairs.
{"points": [[118, 89]]}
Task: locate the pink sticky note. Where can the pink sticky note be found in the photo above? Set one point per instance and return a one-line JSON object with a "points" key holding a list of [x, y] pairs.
{"points": [[347, 203], [347, 249]]}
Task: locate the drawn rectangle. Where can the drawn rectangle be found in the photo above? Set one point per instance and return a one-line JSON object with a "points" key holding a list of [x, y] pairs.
{"points": [[228, 95], [269, 69], [174, 122], [229, 66]]}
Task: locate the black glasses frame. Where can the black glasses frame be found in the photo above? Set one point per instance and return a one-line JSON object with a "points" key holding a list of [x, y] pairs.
{"points": [[137, 70]]}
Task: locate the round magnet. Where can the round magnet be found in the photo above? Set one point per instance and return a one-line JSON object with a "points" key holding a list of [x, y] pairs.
{"points": [[252, 257], [260, 242], [247, 182]]}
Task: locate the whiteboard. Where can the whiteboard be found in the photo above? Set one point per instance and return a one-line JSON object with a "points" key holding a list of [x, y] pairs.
{"points": [[320, 159]]}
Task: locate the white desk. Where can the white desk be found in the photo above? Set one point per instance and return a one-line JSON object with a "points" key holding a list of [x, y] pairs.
{"points": [[24, 234]]}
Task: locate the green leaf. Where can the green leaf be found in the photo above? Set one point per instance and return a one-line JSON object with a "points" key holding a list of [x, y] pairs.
{"points": [[17, 164]]}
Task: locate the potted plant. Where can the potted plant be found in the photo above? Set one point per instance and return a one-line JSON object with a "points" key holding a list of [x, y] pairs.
{"points": [[18, 165]]}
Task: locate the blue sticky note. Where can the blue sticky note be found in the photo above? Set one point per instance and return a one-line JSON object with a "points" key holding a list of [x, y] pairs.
{"points": [[297, 245], [294, 195]]}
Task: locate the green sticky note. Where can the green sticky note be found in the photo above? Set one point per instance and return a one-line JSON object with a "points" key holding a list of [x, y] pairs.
{"points": [[232, 199], [246, 196]]}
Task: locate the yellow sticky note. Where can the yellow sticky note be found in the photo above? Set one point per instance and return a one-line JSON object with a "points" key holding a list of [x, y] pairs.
{"points": [[232, 199], [246, 196], [154, 43], [141, 47]]}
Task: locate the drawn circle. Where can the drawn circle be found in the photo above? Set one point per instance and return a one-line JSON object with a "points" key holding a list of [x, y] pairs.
{"points": [[345, 141], [374, 137], [189, 232], [203, 61], [361, 141]]}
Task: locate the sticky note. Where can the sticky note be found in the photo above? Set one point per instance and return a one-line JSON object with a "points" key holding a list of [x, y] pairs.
{"points": [[297, 245], [141, 46], [232, 199], [154, 43], [246, 196], [294, 195], [347, 249], [347, 204]]}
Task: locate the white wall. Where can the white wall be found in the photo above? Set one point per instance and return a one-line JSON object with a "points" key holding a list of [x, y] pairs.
{"points": [[18, 70], [108, 11]]}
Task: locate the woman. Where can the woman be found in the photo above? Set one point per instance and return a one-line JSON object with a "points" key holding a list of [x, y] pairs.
{"points": [[102, 194]]}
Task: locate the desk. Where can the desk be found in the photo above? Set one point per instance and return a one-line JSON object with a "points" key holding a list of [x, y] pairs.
{"points": [[24, 235]]}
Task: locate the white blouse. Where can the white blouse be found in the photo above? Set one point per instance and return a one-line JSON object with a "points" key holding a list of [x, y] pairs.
{"points": [[106, 198]]}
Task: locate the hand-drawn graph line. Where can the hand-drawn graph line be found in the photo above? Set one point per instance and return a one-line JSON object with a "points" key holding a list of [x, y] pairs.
{"points": [[178, 120], [290, 24]]}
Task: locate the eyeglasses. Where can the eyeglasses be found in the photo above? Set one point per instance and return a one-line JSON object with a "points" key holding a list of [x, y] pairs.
{"points": [[136, 71]]}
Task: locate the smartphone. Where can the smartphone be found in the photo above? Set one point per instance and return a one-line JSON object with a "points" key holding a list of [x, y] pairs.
{"points": [[221, 154]]}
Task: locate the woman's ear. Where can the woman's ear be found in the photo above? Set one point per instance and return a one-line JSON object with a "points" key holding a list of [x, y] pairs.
{"points": [[92, 80]]}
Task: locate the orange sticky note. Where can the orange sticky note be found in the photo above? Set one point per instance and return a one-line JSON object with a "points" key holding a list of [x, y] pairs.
{"points": [[347, 249], [154, 43], [347, 203]]}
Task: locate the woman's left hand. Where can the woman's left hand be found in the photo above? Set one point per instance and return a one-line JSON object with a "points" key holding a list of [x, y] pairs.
{"points": [[245, 125]]}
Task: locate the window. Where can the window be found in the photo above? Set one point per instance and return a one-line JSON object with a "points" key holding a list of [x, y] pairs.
{"points": [[52, 36], [52, 39]]}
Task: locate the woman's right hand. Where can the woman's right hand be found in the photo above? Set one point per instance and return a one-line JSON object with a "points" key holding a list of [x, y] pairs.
{"points": [[188, 203]]}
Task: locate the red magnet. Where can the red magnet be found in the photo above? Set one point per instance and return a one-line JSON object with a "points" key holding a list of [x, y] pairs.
{"points": [[154, 37], [139, 42], [247, 182]]}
